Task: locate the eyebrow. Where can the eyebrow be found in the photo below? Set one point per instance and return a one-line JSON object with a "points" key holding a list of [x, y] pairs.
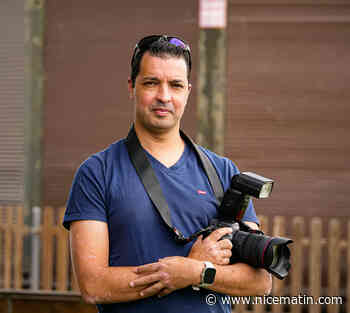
{"points": [[150, 78], [154, 78], [177, 81]]}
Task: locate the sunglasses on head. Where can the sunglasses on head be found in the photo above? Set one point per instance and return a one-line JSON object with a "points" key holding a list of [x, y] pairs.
{"points": [[146, 42]]}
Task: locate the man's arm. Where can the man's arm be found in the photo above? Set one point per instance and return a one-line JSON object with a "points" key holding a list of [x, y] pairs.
{"points": [[98, 282], [238, 279], [241, 279]]}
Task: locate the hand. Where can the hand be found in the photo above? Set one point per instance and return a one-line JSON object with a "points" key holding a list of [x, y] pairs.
{"points": [[212, 248], [167, 275]]}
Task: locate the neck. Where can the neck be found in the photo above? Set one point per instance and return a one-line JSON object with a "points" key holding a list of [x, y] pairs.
{"points": [[151, 140], [166, 146]]}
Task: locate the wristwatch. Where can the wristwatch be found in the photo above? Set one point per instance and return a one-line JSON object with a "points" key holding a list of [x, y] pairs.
{"points": [[207, 275]]}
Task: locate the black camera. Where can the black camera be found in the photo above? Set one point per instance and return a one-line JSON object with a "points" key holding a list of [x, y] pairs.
{"points": [[250, 246]]}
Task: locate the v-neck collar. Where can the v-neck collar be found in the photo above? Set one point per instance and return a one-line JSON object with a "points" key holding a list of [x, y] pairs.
{"points": [[175, 167]]}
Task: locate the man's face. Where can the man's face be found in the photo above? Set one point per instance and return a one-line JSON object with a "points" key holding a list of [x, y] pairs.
{"points": [[160, 93]]}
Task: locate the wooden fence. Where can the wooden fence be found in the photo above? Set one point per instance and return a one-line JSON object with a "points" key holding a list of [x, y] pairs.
{"points": [[54, 263], [320, 264]]}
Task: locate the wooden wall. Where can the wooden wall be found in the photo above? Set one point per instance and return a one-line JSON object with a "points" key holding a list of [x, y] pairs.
{"points": [[287, 97], [12, 109], [288, 102]]}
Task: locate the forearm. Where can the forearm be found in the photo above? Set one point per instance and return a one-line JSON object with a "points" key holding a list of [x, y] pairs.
{"points": [[233, 279], [241, 280], [109, 284]]}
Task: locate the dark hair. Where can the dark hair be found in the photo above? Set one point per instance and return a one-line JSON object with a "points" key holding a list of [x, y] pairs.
{"points": [[160, 48]]}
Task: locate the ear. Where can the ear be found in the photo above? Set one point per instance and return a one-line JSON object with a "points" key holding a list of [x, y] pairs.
{"points": [[189, 88], [130, 89]]}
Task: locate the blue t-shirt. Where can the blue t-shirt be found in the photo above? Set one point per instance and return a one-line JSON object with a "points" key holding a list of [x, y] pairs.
{"points": [[107, 188]]}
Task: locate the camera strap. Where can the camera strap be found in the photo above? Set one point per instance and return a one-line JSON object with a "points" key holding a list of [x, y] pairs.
{"points": [[149, 179]]}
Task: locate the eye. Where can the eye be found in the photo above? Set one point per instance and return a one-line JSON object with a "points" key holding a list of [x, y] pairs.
{"points": [[177, 85], [150, 83]]}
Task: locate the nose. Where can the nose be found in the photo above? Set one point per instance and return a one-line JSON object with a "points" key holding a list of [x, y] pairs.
{"points": [[163, 94]]}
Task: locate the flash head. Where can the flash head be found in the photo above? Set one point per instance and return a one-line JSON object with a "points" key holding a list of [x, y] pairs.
{"points": [[252, 184], [243, 186]]}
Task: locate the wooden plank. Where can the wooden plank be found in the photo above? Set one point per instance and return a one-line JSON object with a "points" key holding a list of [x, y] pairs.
{"points": [[315, 266], [47, 239], [73, 279], [333, 262], [264, 223], [18, 231], [278, 230], [8, 246], [62, 260], [297, 260]]}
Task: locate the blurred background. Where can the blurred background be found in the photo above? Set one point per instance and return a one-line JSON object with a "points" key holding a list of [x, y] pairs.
{"points": [[280, 71]]}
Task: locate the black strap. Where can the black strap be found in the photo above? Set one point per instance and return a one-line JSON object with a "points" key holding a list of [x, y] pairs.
{"points": [[149, 179], [209, 169]]}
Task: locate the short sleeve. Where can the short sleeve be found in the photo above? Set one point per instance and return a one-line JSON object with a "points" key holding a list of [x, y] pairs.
{"points": [[87, 195]]}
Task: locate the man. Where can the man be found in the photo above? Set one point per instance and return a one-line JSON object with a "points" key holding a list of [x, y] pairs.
{"points": [[124, 255]]}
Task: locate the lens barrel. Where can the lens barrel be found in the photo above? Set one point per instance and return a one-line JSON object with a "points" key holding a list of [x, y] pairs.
{"points": [[260, 251]]}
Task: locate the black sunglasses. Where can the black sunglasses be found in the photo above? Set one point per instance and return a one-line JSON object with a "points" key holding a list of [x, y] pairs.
{"points": [[146, 42]]}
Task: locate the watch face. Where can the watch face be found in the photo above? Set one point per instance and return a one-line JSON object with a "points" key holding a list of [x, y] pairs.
{"points": [[209, 275]]}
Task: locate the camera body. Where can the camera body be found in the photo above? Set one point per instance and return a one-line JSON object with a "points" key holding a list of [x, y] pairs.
{"points": [[248, 245]]}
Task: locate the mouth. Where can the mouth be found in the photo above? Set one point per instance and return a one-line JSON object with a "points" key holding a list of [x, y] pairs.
{"points": [[161, 111]]}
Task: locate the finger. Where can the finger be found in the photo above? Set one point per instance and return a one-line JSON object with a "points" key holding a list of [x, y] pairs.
{"points": [[146, 280], [147, 268], [225, 261], [219, 233], [225, 244], [222, 261], [152, 290], [226, 253]]}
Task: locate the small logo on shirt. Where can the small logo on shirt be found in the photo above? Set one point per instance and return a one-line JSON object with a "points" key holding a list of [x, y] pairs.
{"points": [[201, 192]]}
